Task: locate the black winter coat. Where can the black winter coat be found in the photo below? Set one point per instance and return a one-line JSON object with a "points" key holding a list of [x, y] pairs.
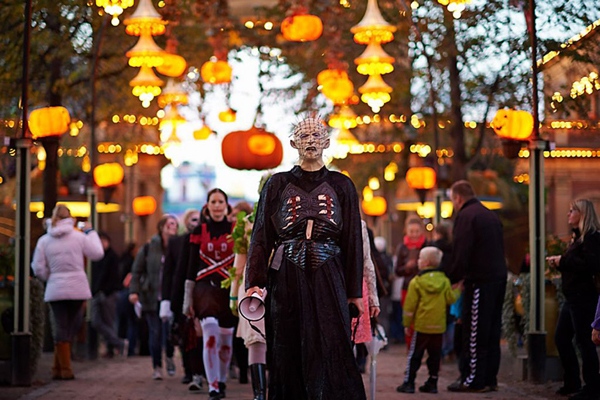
{"points": [[174, 272], [478, 245], [105, 274], [578, 265]]}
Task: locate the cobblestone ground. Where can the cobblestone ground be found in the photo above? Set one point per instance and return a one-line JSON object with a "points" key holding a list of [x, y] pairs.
{"points": [[129, 378]]}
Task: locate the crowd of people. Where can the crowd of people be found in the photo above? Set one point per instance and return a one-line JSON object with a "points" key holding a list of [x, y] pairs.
{"points": [[325, 283]]}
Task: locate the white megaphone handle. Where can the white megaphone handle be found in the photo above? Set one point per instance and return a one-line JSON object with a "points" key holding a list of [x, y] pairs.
{"points": [[254, 304]]}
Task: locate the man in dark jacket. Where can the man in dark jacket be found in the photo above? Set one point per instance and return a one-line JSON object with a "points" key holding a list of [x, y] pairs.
{"points": [[478, 262], [106, 284]]}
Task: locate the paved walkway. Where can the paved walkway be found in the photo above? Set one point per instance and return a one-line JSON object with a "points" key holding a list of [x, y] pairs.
{"points": [[130, 379]]}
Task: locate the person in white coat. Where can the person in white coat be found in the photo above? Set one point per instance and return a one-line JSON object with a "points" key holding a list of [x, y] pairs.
{"points": [[59, 259]]}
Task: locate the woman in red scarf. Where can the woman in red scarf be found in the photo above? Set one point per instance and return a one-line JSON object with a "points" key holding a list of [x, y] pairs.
{"points": [[407, 256]]}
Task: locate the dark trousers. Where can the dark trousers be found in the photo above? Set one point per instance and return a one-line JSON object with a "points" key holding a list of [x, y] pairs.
{"points": [[481, 330], [432, 342], [67, 316], [159, 338], [396, 327], [104, 313], [574, 321], [128, 324], [191, 353]]}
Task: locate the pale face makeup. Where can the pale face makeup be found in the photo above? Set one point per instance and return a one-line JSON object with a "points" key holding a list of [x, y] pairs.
{"points": [[217, 206], [310, 139]]}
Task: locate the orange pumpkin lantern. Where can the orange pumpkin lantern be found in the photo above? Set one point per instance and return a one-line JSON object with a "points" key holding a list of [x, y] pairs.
{"points": [[109, 174], [302, 28], [421, 178], [216, 72], [252, 149], [173, 65], [329, 74], [375, 207], [338, 90], [227, 115], [513, 124], [49, 121], [144, 205]]}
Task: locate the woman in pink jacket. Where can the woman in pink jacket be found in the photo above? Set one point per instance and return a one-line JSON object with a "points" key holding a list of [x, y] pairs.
{"points": [[59, 259]]}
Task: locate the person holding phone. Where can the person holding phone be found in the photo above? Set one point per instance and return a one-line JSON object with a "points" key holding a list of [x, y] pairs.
{"points": [[310, 218]]}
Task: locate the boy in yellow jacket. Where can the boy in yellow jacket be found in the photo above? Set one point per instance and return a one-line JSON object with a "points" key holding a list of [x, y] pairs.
{"points": [[429, 294]]}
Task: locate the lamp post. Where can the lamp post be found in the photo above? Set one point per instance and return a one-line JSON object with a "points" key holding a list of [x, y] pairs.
{"points": [[537, 241], [21, 336]]}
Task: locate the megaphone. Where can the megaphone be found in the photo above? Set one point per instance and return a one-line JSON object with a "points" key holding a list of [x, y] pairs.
{"points": [[253, 307]]}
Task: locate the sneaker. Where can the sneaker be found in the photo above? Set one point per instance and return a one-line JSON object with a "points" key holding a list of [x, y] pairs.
{"points": [[187, 378], [586, 394], [196, 384], [170, 366], [157, 374], [213, 395], [406, 388], [430, 386], [460, 387]]}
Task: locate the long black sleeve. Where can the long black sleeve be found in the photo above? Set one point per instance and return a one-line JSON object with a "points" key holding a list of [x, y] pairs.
{"points": [[461, 248], [351, 243], [169, 266], [194, 261], [263, 237]]}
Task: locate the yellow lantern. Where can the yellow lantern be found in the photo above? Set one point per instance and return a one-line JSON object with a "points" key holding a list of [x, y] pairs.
{"points": [[346, 138], [202, 133], [375, 92], [146, 85], [374, 60], [114, 8], [172, 94], [216, 72], [49, 121], [146, 52], [144, 205], [512, 124], [169, 124], [145, 19], [228, 115], [372, 27], [456, 7], [109, 174], [345, 118], [302, 28], [375, 207], [421, 178]]}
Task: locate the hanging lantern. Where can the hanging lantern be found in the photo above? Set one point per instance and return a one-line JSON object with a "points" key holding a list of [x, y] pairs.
{"points": [[375, 92], [145, 19], [346, 137], [172, 94], [202, 133], [49, 121], [338, 90], [146, 52], [372, 27], [169, 124], [109, 174], [228, 115], [513, 124], [390, 171], [302, 28], [216, 72], [252, 149], [146, 86], [374, 60], [330, 74], [375, 207], [345, 118], [421, 178], [173, 65], [144, 205], [114, 8]]}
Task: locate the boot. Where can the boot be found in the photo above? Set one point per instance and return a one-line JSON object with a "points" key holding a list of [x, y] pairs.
{"points": [[259, 381], [430, 386], [56, 366], [64, 359]]}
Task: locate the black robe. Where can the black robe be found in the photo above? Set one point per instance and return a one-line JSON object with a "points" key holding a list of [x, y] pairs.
{"points": [[311, 221]]}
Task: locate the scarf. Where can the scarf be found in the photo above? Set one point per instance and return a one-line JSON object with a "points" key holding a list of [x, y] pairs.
{"points": [[414, 244]]}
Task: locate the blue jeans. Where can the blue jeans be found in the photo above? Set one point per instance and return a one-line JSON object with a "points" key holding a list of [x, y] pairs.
{"points": [[159, 337], [127, 321], [396, 326]]}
